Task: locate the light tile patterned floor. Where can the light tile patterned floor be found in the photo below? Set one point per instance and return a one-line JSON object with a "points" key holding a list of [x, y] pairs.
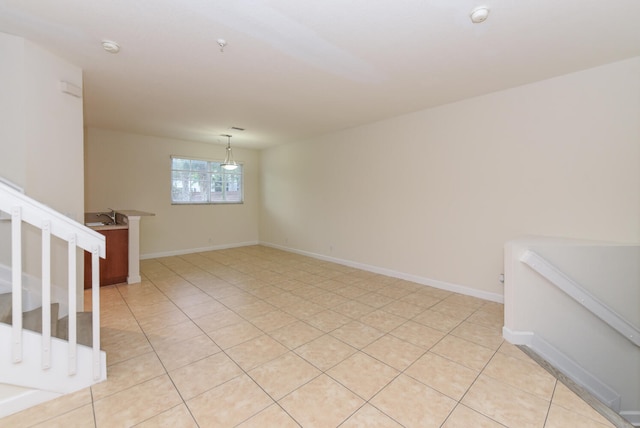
{"points": [[257, 337]]}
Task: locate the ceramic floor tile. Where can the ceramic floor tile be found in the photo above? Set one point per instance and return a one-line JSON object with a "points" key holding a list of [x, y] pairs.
{"points": [[442, 374], [203, 375], [232, 335], [328, 320], [525, 375], [128, 373], [178, 416], [564, 397], [174, 334], [376, 300], [353, 309], [370, 417], [321, 403], [180, 354], [357, 334], [48, 410], [255, 352], [266, 292], [122, 345], [395, 352], [272, 416], [468, 301], [422, 300], [202, 309], [308, 293], [559, 417], [463, 352], [452, 309], [413, 404], [161, 321], [229, 404], [464, 417], [193, 299], [394, 292], [304, 310], [363, 374], [217, 320], [141, 311], [418, 334], [254, 309], [513, 351], [325, 352], [488, 318], [403, 309], [273, 320], [136, 404], [81, 417], [296, 334], [382, 320], [505, 404], [282, 375], [284, 300], [329, 299], [230, 296], [481, 335], [438, 320], [434, 292]]}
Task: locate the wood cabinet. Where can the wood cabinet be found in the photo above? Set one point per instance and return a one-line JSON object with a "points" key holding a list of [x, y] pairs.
{"points": [[115, 268]]}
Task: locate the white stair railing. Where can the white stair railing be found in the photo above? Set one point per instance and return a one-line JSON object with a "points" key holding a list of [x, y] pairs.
{"points": [[22, 208], [582, 296]]}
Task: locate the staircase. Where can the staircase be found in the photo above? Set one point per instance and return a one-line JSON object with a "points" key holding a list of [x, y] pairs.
{"points": [[575, 304], [44, 355]]}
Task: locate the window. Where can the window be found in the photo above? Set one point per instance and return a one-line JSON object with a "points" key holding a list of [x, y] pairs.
{"points": [[197, 181]]}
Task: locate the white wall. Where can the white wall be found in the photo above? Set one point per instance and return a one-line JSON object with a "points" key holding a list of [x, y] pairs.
{"points": [[435, 194], [130, 171], [41, 141]]}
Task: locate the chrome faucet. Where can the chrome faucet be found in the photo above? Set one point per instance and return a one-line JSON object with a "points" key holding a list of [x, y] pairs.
{"points": [[111, 215]]}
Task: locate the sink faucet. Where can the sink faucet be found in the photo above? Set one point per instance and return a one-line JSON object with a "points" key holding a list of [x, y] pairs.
{"points": [[111, 215]]}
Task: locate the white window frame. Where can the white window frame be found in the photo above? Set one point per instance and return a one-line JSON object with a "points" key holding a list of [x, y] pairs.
{"points": [[202, 180]]}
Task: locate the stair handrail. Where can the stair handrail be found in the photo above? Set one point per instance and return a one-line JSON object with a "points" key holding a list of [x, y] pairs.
{"points": [[61, 225], [23, 208], [578, 293]]}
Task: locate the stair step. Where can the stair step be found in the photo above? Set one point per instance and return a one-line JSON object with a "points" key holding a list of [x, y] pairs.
{"points": [[32, 320], [84, 328]]}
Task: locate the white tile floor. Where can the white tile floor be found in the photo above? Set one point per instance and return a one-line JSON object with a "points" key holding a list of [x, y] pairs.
{"points": [[257, 337]]}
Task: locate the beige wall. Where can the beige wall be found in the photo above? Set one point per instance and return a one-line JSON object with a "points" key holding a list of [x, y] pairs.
{"points": [[41, 142], [435, 194], [130, 171]]}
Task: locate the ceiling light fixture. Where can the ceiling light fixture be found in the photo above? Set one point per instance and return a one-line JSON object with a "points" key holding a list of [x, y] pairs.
{"points": [[110, 46], [229, 164], [222, 43], [479, 14]]}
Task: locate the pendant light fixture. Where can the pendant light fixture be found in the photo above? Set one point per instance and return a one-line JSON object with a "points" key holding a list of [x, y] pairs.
{"points": [[229, 164]]}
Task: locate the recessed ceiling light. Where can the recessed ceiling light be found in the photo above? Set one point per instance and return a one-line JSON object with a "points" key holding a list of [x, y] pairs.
{"points": [[110, 46], [479, 14]]}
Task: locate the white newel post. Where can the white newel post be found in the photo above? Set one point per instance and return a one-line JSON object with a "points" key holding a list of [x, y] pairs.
{"points": [[134, 250]]}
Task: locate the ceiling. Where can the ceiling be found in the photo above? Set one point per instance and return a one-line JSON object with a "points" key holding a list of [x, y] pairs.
{"points": [[294, 69]]}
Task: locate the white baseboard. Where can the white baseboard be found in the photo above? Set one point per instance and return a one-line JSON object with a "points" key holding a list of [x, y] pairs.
{"points": [[632, 416], [195, 250], [23, 400], [517, 337], [564, 364], [456, 288]]}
